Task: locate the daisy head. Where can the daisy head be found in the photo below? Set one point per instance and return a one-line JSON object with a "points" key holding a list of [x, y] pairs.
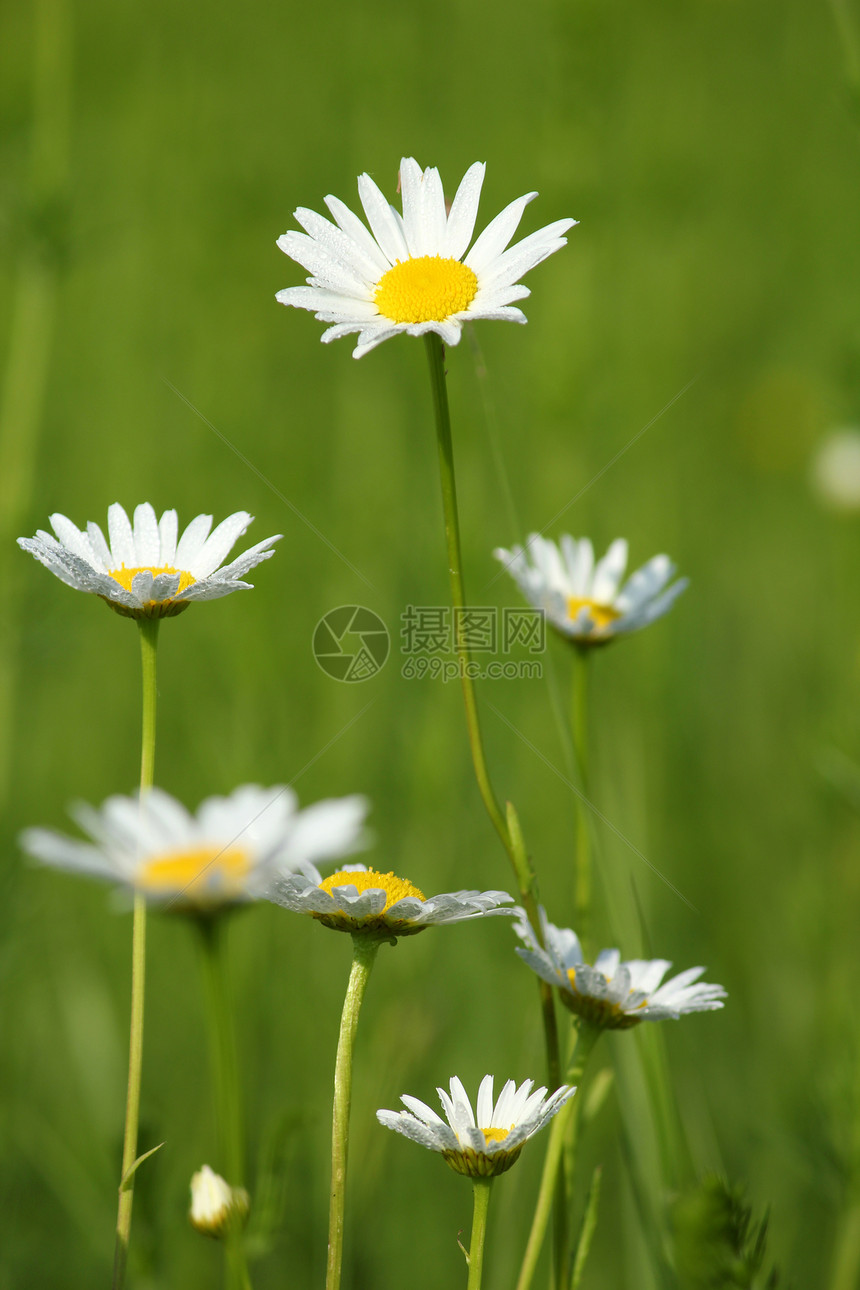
{"points": [[584, 601], [145, 570], [365, 902], [612, 995], [484, 1142], [226, 854], [413, 272]]}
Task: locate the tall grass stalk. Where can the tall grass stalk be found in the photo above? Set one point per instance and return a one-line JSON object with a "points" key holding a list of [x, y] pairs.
{"points": [[33, 321], [563, 1136], [225, 1080]]}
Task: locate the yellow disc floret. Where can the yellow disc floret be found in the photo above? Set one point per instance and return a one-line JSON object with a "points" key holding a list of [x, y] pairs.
{"points": [[201, 875], [602, 616], [427, 288], [495, 1135], [152, 608], [366, 879], [125, 576]]}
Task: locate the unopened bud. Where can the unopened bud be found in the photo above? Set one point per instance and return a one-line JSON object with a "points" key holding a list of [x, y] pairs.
{"points": [[216, 1207]]}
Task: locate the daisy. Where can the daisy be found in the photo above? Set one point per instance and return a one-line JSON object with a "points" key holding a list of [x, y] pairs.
{"points": [[612, 995], [584, 601], [143, 571], [358, 899], [485, 1142], [226, 854], [411, 273]]}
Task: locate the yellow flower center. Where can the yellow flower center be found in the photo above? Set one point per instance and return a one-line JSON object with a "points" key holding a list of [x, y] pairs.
{"points": [[364, 879], [601, 615], [196, 873], [495, 1135], [125, 576], [427, 288]]}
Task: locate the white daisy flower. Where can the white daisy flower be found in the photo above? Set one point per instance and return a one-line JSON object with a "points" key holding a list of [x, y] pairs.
{"points": [[226, 854], [358, 899], [485, 1142], [411, 272], [611, 994], [584, 601], [216, 1207], [143, 571]]}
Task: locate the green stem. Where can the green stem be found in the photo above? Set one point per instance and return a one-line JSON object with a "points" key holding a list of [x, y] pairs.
{"points": [[225, 1079], [579, 730], [148, 646], [505, 824], [481, 1190], [364, 953], [436, 359], [564, 1131], [148, 650]]}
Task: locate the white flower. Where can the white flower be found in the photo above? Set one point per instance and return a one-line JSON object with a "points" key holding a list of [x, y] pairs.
{"points": [[144, 571], [612, 995], [836, 470], [584, 601], [228, 853], [215, 1205], [483, 1143], [411, 273], [357, 899]]}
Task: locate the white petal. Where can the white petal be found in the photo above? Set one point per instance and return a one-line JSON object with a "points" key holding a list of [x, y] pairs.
{"points": [[340, 246], [497, 235], [100, 548], [167, 529], [192, 540], [464, 212], [353, 227], [121, 538], [525, 255], [71, 537], [609, 572], [325, 267], [484, 1104], [147, 544], [386, 230]]}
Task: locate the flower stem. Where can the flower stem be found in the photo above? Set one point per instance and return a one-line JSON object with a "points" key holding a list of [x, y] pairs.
{"points": [[505, 823], [364, 953], [579, 730], [148, 648], [436, 359], [481, 1192], [563, 1134], [225, 1078]]}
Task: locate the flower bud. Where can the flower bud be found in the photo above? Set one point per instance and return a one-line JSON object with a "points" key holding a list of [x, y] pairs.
{"points": [[216, 1207]]}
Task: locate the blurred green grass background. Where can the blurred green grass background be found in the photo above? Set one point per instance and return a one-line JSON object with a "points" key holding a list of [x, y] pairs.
{"points": [[149, 159]]}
